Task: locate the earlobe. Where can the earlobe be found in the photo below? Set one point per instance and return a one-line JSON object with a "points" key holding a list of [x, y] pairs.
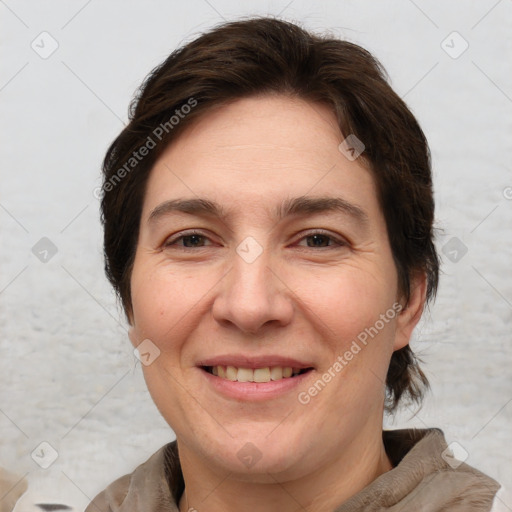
{"points": [[410, 315]]}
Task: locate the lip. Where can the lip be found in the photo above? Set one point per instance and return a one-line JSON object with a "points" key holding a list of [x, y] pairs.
{"points": [[255, 391], [253, 362]]}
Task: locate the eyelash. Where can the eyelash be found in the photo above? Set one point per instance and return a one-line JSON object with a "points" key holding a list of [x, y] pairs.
{"points": [[338, 242]]}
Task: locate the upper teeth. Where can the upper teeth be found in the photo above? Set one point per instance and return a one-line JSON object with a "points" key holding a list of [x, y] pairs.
{"points": [[254, 375]]}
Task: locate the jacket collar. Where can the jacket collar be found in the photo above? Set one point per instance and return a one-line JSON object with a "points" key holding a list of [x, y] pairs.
{"points": [[424, 477]]}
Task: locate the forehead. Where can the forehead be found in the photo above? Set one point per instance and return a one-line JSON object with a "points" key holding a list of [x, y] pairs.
{"points": [[268, 128], [256, 151]]}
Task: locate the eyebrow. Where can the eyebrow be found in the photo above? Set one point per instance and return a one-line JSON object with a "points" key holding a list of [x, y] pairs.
{"points": [[303, 205]]}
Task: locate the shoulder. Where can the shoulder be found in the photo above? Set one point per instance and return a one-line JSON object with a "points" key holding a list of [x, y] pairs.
{"points": [[112, 497], [427, 470], [145, 489], [502, 501]]}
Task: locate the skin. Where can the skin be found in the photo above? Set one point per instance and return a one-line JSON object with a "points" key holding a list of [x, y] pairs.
{"points": [[302, 297]]}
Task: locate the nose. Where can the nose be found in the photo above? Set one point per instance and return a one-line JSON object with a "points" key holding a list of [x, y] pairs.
{"points": [[253, 296]]}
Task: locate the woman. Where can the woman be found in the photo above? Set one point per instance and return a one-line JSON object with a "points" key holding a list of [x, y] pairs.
{"points": [[268, 217]]}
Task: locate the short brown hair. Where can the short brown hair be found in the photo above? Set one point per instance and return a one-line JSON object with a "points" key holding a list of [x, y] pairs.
{"points": [[262, 56]]}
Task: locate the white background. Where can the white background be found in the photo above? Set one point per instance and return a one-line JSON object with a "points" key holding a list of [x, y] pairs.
{"points": [[67, 371]]}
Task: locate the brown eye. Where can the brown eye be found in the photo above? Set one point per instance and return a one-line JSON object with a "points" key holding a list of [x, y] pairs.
{"points": [[318, 240], [188, 241], [321, 240], [193, 240]]}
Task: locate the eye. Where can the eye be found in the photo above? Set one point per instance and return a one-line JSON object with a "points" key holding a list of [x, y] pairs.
{"points": [[320, 239], [189, 240], [197, 240]]}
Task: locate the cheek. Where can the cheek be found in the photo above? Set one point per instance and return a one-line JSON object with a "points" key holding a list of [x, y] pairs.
{"points": [[166, 303], [158, 301], [346, 302]]}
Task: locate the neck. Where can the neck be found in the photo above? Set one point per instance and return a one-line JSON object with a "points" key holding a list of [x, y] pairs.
{"points": [[216, 490]]}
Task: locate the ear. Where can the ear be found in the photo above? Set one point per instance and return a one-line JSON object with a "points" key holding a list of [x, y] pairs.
{"points": [[410, 315], [132, 336], [131, 326]]}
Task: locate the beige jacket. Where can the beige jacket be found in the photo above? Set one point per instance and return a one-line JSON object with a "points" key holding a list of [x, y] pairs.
{"points": [[11, 488], [423, 479]]}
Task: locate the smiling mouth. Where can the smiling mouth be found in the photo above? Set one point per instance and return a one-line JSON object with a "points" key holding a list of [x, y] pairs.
{"points": [[265, 374]]}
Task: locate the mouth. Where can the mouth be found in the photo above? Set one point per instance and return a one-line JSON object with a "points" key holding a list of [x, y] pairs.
{"points": [[258, 375], [254, 378]]}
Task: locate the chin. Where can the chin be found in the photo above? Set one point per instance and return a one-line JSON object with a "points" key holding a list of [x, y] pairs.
{"points": [[257, 456]]}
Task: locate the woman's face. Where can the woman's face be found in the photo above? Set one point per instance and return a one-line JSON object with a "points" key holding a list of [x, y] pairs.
{"points": [[262, 248]]}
